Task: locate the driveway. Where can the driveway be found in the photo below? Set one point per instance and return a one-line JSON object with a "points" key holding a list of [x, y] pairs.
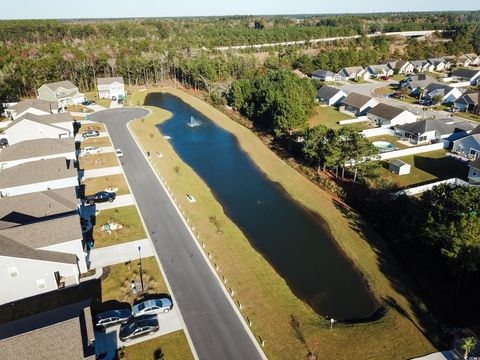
{"points": [[120, 253], [210, 317], [96, 107], [100, 172]]}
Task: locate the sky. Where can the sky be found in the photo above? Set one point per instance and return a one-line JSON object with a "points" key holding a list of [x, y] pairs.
{"points": [[59, 9]]}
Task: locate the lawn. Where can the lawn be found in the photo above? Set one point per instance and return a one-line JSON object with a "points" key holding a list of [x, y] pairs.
{"points": [[97, 161], [101, 141], [385, 90], [96, 184], [92, 95], [127, 216], [173, 346], [84, 127], [79, 108], [391, 139], [468, 116], [328, 116], [269, 301], [427, 167]]}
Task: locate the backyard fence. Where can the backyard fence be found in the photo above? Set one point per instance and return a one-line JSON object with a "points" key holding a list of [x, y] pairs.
{"points": [[377, 132], [422, 188], [414, 150]]}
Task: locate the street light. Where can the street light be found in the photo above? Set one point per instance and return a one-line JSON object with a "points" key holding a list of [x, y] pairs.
{"points": [[140, 266]]}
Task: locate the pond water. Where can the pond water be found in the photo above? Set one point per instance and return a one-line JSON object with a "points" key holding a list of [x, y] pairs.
{"points": [[296, 242]]}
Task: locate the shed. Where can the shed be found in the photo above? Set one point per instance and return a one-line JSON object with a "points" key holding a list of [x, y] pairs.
{"points": [[399, 167]]}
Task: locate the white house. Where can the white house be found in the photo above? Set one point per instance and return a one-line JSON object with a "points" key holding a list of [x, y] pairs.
{"points": [[463, 61], [377, 71], [474, 59], [351, 73], [64, 92], [439, 64], [466, 75], [422, 66], [38, 176], [469, 146], [32, 106], [384, 115], [33, 127], [399, 167], [328, 95], [325, 75], [357, 104], [402, 67], [445, 93], [34, 150], [111, 88], [468, 101], [415, 83], [433, 130], [474, 172]]}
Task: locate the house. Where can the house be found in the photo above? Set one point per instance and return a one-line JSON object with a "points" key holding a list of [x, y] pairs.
{"points": [[111, 88], [63, 92], [357, 104], [299, 74], [422, 66], [325, 75], [328, 95], [463, 61], [469, 146], [34, 150], [32, 106], [61, 333], [384, 115], [433, 130], [468, 101], [402, 67], [399, 167], [33, 127], [38, 176], [351, 73], [416, 83], [439, 64], [474, 172], [466, 75], [474, 59], [445, 93], [377, 71]]}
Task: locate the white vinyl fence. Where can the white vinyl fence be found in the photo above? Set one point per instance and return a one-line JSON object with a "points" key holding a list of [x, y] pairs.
{"points": [[414, 150], [377, 132], [422, 188]]}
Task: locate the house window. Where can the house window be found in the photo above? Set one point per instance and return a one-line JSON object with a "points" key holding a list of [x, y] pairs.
{"points": [[13, 271], [41, 284]]}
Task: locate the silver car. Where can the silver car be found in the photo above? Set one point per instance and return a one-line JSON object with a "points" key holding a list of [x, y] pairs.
{"points": [[154, 306]]}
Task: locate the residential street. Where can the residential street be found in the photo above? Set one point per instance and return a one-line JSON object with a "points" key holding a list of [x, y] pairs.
{"points": [[215, 329]]}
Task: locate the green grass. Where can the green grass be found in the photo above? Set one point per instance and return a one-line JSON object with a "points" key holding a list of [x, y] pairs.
{"points": [[468, 116], [173, 346], [385, 90], [97, 161], [128, 217], [96, 184], [391, 139], [398, 77], [92, 95], [101, 141], [269, 301], [426, 167], [328, 116]]}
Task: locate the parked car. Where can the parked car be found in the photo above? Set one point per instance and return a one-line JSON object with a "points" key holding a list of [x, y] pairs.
{"points": [[99, 197], [90, 134], [153, 306], [384, 77], [425, 102], [90, 150], [135, 327], [88, 102], [112, 317], [119, 153], [454, 109], [397, 95], [3, 143]]}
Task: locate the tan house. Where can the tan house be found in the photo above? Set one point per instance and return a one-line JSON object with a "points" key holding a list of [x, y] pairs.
{"points": [[63, 92], [32, 106]]}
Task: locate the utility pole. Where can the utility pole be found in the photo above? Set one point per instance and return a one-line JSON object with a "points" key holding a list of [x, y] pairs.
{"points": [[140, 266]]}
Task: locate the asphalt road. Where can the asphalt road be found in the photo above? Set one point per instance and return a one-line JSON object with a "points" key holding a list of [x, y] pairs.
{"points": [[215, 329]]}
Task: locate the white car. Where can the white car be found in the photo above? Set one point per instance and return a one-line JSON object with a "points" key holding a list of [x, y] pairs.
{"points": [[90, 150], [151, 307], [119, 153]]}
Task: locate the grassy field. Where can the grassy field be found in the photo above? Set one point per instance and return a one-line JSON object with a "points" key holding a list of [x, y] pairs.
{"points": [[391, 139], [79, 108], [101, 141], [427, 167], [97, 161], [468, 116], [173, 346], [84, 127], [330, 116], [385, 90], [128, 217], [96, 184], [267, 300], [92, 95]]}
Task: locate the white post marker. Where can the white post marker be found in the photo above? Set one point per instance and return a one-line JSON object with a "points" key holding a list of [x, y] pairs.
{"points": [[332, 320]]}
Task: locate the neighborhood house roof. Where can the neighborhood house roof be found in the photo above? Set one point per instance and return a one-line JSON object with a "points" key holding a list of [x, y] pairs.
{"points": [[37, 148], [377, 69], [61, 333], [438, 88], [470, 98], [419, 63], [42, 105], [398, 163], [385, 111], [37, 171], [465, 73], [356, 100], [109, 80], [471, 56], [323, 73], [436, 61], [352, 70], [327, 92], [443, 126], [49, 119], [66, 84]]}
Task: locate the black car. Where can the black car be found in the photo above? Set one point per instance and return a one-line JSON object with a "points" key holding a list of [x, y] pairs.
{"points": [[425, 102], [99, 197], [135, 327], [112, 317]]}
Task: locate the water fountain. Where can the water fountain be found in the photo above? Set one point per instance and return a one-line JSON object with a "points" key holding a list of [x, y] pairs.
{"points": [[193, 122]]}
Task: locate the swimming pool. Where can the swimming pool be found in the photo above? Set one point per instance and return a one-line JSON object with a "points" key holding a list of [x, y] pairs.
{"points": [[383, 146]]}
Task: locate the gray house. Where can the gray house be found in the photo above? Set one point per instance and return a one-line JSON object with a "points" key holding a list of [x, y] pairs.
{"points": [[468, 102], [474, 172], [31, 106], [328, 95], [64, 92], [358, 104], [469, 146]]}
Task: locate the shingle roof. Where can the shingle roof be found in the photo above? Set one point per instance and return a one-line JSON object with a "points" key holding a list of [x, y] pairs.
{"points": [[327, 92], [42, 105], [443, 126], [61, 333], [37, 171], [11, 248], [66, 84], [36, 148], [378, 68], [323, 73], [356, 100], [442, 88], [50, 118], [352, 69], [465, 73], [34, 207], [46, 233], [471, 56], [386, 111], [109, 80], [398, 163]]}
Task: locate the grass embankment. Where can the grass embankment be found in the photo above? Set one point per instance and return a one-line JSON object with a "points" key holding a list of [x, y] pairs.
{"points": [[96, 184], [97, 161], [128, 217], [266, 298]]}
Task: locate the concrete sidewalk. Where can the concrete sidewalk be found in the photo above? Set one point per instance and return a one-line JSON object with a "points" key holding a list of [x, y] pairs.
{"points": [[121, 200], [85, 174], [116, 254], [96, 107]]}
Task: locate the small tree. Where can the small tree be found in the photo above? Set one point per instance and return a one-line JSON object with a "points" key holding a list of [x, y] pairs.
{"points": [[468, 345]]}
